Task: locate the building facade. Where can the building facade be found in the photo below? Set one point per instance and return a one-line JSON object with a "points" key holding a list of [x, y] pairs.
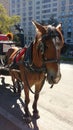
{"points": [[41, 11], [66, 17]]}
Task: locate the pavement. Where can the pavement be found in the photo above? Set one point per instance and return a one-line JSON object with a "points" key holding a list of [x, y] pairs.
{"points": [[55, 105]]}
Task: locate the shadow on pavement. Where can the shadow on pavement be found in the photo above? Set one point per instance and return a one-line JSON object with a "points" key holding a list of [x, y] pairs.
{"points": [[13, 104]]}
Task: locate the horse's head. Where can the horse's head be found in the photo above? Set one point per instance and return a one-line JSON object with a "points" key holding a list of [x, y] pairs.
{"points": [[49, 41]]}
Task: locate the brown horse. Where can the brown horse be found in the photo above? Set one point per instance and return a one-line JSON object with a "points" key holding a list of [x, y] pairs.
{"points": [[46, 50]]}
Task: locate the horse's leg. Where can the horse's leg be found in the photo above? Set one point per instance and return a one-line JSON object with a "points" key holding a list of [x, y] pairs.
{"points": [[26, 109], [36, 97], [38, 88], [35, 110], [26, 92], [14, 85], [19, 87]]}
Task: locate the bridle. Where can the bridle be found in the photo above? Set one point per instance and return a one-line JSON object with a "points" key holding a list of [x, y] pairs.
{"points": [[44, 59], [42, 47]]}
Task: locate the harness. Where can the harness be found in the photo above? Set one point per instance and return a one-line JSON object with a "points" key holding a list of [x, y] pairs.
{"points": [[41, 47], [41, 69]]}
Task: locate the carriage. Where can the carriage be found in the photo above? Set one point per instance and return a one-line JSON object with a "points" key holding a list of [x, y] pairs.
{"points": [[5, 44], [6, 41]]}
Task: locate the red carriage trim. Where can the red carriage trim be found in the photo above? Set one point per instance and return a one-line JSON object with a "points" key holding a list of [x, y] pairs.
{"points": [[3, 37], [20, 54]]}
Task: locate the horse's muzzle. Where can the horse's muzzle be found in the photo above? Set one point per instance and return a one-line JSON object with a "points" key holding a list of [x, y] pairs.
{"points": [[53, 78]]}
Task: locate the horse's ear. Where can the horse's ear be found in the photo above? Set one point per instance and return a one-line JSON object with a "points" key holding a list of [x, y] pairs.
{"points": [[59, 26], [38, 26]]}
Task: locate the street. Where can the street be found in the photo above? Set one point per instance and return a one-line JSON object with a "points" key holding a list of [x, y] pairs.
{"points": [[55, 105], [58, 102]]}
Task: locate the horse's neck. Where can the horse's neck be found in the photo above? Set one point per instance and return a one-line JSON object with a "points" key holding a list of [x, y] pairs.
{"points": [[37, 59]]}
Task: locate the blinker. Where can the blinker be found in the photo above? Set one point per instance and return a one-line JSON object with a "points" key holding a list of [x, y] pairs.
{"points": [[41, 47]]}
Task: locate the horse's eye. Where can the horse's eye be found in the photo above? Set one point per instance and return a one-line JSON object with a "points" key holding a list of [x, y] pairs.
{"points": [[46, 46]]}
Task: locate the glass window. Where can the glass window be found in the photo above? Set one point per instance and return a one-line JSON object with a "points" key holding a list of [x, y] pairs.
{"points": [[30, 2], [13, 1], [37, 17], [24, 19], [18, 5], [38, 2], [30, 13], [70, 1], [63, 2], [38, 12], [69, 34], [54, 4], [30, 18], [45, 1], [46, 11], [46, 6], [30, 8], [54, 9], [18, 1], [63, 8], [38, 7], [13, 11]]}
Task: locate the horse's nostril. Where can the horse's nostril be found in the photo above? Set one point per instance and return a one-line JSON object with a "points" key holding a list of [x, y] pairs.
{"points": [[52, 77]]}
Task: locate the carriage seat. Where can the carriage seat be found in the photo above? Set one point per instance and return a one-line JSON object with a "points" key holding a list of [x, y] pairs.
{"points": [[27, 52]]}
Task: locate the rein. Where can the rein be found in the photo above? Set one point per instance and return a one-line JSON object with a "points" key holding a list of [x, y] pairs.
{"points": [[30, 87]]}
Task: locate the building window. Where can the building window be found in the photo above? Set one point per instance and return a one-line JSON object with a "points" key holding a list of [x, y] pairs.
{"points": [[54, 4], [30, 2], [18, 5], [45, 1], [38, 7], [46, 6], [70, 1], [71, 7], [46, 11], [13, 1], [30, 13], [37, 17], [63, 8], [54, 9], [69, 33], [63, 2], [13, 11], [30, 8], [30, 18], [18, 1], [38, 2]]}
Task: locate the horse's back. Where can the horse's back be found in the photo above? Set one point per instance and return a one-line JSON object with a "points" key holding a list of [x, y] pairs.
{"points": [[11, 53], [12, 50]]}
